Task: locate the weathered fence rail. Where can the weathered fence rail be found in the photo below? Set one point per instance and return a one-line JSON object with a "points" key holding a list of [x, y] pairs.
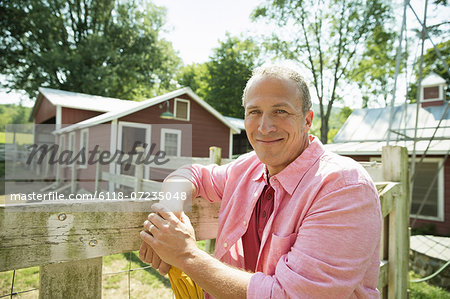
{"points": [[68, 240]]}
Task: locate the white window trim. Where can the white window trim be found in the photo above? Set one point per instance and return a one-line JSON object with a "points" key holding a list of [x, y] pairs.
{"points": [[84, 131], [440, 188], [58, 117], [164, 131], [440, 97], [188, 109], [112, 148], [147, 140]]}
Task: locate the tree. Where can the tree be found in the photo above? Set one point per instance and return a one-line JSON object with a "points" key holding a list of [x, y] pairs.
{"points": [[374, 73], [338, 117], [221, 80], [327, 37], [13, 114], [101, 47], [229, 69], [195, 76], [432, 64]]}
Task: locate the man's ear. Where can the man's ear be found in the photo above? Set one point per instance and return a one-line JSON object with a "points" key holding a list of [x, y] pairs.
{"points": [[308, 120]]}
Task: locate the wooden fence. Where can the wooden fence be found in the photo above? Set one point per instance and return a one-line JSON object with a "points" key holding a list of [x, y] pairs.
{"points": [[69, 246]]}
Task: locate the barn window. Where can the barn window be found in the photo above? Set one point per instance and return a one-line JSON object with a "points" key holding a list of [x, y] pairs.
{"points": [[171, 142], [429, 178], [182, 109], [84, 147]]}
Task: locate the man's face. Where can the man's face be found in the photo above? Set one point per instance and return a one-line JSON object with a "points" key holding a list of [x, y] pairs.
{"points": [[275, 124]]}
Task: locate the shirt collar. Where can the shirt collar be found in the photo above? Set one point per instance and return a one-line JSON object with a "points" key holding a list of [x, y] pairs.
{"points": [[291, 176], [260, 173]]}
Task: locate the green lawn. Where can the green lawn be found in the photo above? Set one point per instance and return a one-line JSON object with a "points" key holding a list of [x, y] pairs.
{"points": [[149, 284], [25, 279], [423, 290], [146, 283], [21, 138]]}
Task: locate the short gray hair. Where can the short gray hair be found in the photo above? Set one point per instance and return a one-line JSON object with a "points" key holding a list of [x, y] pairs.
{"points": [[281, 72]]}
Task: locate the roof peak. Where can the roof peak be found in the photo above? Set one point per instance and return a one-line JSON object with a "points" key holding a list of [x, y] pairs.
{"points": [[433, 79]]}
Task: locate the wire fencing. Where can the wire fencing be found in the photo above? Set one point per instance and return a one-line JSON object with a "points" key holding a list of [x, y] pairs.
{"points": [[130, 258]]}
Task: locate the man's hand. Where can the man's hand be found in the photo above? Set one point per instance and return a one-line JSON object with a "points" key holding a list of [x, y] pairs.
{"points": [[147, 255], [171, 238], [176, 190]]}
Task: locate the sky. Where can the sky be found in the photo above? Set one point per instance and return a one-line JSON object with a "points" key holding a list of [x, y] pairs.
{"points": [[195, 27]]}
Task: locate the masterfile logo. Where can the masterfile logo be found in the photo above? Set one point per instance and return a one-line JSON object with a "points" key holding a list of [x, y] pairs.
{"points": [[68, 157]]}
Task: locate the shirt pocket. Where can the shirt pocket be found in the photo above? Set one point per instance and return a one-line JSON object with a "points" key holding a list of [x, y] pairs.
{"points": [[279, 246]]}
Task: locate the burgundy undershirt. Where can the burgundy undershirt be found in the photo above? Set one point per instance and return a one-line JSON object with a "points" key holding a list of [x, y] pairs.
{"points": [[251, 240]]}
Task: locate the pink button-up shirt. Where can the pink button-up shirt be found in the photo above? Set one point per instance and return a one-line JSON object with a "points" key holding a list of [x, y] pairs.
{"points": [[322, 239]]}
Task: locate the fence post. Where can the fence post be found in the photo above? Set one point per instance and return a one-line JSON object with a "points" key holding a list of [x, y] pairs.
{"points": [[58, 167], [138, 172], [15, 153], [98, 175], [47, 166], [215, 157], [75, 279], [73, 178], [38, 168], [395, 169]]}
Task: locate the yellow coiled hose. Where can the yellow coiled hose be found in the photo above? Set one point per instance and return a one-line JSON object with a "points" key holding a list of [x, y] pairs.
{"points": [[183, 286]]}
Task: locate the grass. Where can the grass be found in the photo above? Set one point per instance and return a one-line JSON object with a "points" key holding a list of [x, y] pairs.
{"points": [[21, 138], [148, 283], [423, 290], [24, 279]]}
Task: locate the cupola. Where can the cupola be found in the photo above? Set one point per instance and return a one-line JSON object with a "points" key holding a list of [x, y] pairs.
{"points": [[433, 90]]}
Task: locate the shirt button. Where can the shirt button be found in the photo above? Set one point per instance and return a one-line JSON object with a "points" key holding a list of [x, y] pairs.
{"points": [[264, 214], [256, 194], [244, 222], [269, 197], [225, 244]]}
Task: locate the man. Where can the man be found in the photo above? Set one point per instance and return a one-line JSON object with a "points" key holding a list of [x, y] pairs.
{"points": [[295, 220]]}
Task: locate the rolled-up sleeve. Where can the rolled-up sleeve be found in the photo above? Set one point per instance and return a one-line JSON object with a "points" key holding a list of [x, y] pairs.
{"points": [[209, 180], [336, 249]]}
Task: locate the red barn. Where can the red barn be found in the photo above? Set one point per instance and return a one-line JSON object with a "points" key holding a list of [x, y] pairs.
{"points": [[193, 126]]}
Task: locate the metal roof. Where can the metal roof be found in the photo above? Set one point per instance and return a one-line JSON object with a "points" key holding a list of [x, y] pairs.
{"points": [[85, 101], [237, 122], [78, 100], [365, 130], [372, 124], [436, 147]]}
